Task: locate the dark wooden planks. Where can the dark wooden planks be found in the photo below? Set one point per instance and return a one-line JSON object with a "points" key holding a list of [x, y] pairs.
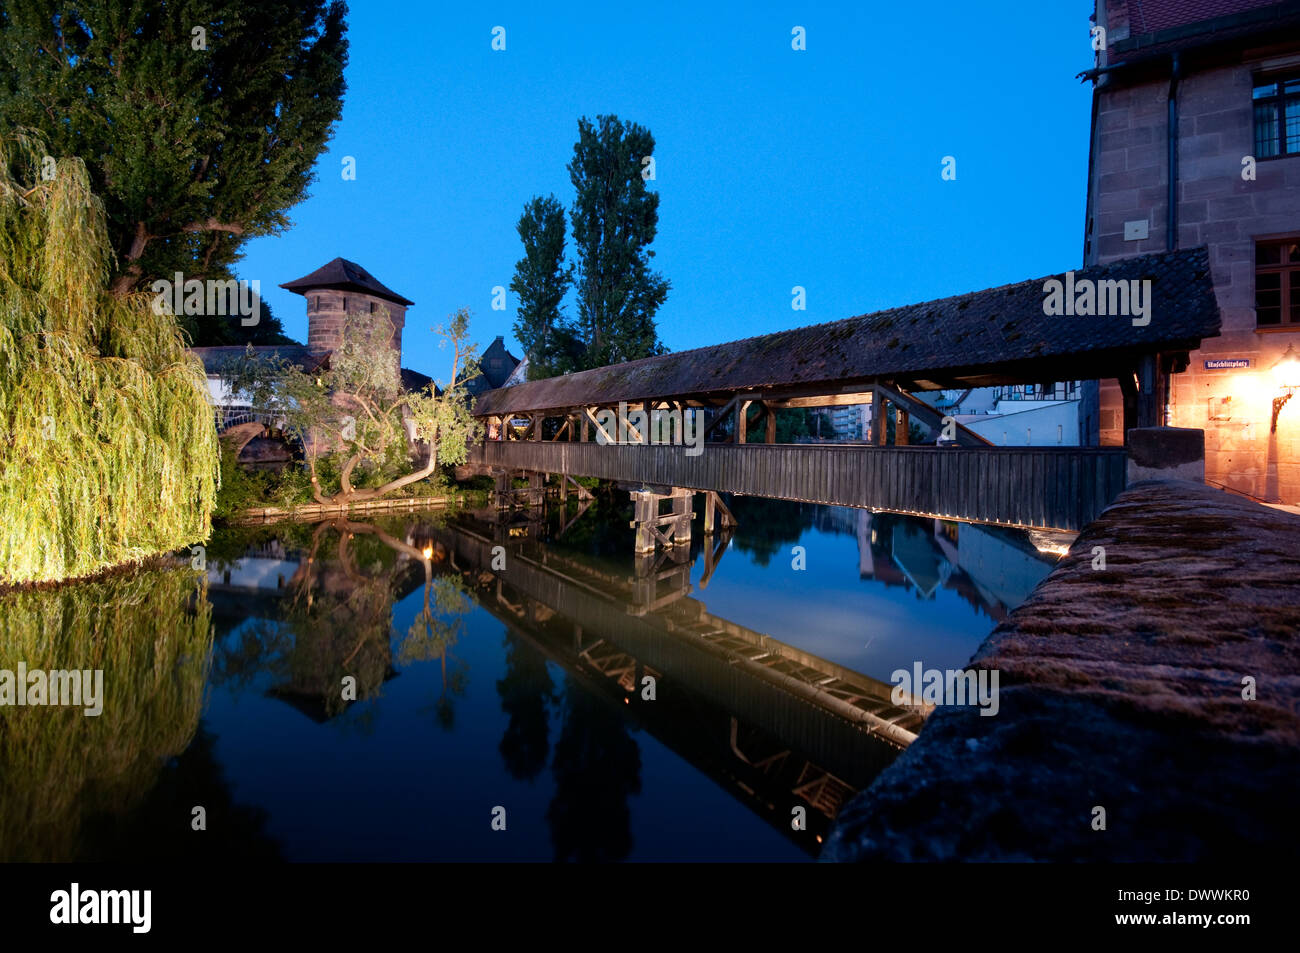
{"points": [[1048, 487]]}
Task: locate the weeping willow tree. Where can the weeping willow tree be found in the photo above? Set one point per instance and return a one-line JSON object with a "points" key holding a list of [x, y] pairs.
{"points": [[108, 451], [151, 635]]}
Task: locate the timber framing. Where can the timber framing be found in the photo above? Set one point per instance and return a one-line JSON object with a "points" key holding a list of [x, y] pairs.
{"points": [[987, 338]]}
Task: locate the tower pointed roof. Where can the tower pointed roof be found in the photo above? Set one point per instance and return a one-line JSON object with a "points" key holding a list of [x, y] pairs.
{"points": [[347, 275]]}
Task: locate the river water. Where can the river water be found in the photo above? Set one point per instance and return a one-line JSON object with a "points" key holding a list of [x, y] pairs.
{"points": [[454, 686]]}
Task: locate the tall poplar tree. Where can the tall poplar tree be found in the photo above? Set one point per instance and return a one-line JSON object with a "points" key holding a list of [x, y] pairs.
{"points": [[199, 121], [540, 282], [614, 220]]}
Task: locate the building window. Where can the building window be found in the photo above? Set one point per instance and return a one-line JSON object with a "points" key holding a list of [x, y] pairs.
{"points": [[345, 304], [1277, 284], [1277, 116]]}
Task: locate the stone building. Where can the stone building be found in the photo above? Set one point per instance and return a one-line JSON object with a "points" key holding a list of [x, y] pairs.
{"points": [[331, 291], [1196, 141], [339, 288]]}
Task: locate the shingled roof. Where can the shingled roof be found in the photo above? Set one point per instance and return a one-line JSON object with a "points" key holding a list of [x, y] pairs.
{"points": [[997, 336], [1161, 27], [347, 275]]}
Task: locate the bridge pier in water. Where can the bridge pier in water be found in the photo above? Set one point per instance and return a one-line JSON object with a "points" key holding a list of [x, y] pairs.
{"points": [[653, 526]]}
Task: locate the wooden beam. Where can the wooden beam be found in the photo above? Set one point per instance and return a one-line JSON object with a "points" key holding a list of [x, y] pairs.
{"points": [[877, 417], [728, 518], [742, 421], [722, 414], [589, 416], [965, 436], [1148, 405], [1128, 388], [828, 400]]}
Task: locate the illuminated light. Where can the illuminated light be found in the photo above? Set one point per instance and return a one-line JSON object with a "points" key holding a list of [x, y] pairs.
{"points": [[819, 838], [626, 702], [1286, 372], [1286, 375], [427, 552]]}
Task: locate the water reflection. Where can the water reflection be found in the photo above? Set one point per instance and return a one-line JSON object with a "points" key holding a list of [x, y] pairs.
{"points": [[358, 671], [527, 694], [124, 782]]}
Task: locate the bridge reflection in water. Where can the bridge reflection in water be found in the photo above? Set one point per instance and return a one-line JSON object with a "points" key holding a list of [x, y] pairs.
{"points": [[776, 726]]}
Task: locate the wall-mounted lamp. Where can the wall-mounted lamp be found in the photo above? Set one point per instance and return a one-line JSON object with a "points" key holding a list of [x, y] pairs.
{"points": [[1286, 375]]}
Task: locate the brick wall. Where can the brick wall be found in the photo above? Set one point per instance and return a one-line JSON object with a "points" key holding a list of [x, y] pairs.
{"points": [[326, 309], [1219, 209]]}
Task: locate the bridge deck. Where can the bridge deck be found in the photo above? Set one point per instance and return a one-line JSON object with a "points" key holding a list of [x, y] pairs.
{"points": [[1061, 488]]}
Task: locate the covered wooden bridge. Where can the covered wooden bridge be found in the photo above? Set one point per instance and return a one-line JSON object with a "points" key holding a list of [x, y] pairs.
{"points": [[669, 425]]}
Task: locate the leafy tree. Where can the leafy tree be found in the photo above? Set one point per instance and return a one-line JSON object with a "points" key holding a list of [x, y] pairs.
{"points": [[540, 282], [614, 219], [791, 424], [199, 120], [107, 449], [227, 331], [355, 414]]}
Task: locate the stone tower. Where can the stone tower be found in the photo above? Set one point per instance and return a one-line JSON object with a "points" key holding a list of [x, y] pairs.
{"points": [[343, 287]]}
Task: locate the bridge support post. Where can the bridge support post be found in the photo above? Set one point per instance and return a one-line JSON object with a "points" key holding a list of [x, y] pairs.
{"points": [[506, 497], [712, 504], [654, 528]]}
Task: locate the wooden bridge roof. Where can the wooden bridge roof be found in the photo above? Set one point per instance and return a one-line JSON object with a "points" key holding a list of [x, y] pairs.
{"points": [[997, 336]]}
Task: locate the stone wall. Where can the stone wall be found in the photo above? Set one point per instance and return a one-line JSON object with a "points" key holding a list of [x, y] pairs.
{"points": [[1121, 686], [327, 307], [1219, 209]]}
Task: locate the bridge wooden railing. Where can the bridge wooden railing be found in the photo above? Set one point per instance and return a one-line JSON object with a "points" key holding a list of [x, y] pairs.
{"points": [[1038, 487]]}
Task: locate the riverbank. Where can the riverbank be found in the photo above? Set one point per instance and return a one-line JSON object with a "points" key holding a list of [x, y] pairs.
{"points": [[1121, 689], [317, 511]]}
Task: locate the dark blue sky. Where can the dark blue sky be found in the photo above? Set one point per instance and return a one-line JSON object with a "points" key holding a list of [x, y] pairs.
{"points": [[776, 168]]}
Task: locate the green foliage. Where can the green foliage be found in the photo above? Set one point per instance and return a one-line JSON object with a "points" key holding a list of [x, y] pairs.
{"points": [[540, 282], [244, 488], [151, 634], [107, 448], [358, 430], [614, 219], [224, 331], [791, 424], [194, 150]]}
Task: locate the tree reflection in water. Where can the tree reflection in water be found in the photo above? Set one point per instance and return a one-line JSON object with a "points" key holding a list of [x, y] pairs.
{"points": [[526, 693], [111, 786], [336, 621], [597, 767]]}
